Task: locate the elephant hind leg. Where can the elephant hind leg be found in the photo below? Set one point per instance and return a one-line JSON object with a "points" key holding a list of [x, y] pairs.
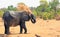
{"points": [[6, 29], [6, 25]]}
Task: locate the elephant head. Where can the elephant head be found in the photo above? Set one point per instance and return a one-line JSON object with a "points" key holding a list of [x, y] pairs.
{"points": [[28, 17]]}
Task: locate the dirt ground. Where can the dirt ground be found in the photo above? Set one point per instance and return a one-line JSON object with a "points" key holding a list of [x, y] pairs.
{"points": [[42, 28]]}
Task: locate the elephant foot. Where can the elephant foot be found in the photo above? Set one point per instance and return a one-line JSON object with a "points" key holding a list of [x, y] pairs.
{"points": [[7, 33], [20, 33], [25, 32]]}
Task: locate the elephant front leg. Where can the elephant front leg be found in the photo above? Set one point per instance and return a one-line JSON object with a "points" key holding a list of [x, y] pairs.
{"points": [[21, 30], [6, 28], [25, 30], [22, 26]]}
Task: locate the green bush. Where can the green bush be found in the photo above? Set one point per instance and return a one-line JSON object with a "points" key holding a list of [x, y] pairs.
{"points": [[44, 15], [47, 15], [58, 13], [34, 12], [1, 13]]}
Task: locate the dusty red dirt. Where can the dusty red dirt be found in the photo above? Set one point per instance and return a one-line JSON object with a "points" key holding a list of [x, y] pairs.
{"points": [[42, 28]]}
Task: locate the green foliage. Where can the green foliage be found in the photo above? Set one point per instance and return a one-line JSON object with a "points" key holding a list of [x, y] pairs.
{"points": [[48, 10], [53, 4], [34, 12], [58, 13], [4, 9], [11, 8], [1, 13], [46, 15]]}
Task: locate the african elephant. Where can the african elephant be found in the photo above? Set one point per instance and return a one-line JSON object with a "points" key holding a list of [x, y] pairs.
{"points": [[14, 18]]}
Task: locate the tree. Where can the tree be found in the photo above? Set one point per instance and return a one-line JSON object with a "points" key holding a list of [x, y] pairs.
{"points": [[43, 6], [1, 13], [12, 8], [4, 9], [53, 4]]}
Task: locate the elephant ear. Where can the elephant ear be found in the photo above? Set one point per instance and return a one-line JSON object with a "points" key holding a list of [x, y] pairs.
{"points": [[33, 18]]}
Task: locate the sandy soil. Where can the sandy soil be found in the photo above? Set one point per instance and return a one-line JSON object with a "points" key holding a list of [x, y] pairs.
{"points": [[42, 28]]}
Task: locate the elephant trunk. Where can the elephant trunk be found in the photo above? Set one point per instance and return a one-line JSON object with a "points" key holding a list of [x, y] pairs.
{"points": [[33, 18]]}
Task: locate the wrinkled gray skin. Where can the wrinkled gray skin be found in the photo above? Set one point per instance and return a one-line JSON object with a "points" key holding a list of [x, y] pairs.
{"points": [[17, 18]]}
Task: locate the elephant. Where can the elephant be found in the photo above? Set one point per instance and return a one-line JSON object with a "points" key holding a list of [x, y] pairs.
{"points": [[14, 18]]}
